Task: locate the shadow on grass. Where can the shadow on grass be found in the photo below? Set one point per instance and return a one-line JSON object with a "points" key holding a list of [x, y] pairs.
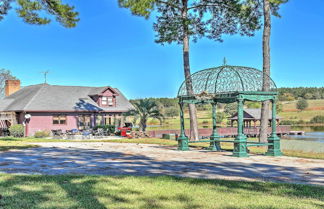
{"points": [[20, 191], [82, 191]]}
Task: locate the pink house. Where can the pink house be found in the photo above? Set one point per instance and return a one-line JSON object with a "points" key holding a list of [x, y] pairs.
{"points": [[52, 107]]}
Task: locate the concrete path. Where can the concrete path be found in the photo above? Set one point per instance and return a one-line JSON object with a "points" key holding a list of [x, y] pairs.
{"points": [[147, 160]]}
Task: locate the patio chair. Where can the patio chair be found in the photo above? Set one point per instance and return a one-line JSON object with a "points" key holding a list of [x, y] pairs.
{"points": [[86, 134], [98, 132], [57, 133]]}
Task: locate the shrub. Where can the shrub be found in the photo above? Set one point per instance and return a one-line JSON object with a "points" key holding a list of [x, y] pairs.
{"points": [[301, 104], [301, 122], [308, 96], [171, 111], [317, 119], [253, 105], [42, 134], [287, 122], [109, 128], [230, 108], [220, 116], [286, 97], [17, 130]]}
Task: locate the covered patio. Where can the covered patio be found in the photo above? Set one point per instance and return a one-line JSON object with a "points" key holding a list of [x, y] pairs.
{"points": [[252, 118]]}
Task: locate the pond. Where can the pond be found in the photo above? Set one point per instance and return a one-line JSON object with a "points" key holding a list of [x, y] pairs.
{"points": [[312, 133]]}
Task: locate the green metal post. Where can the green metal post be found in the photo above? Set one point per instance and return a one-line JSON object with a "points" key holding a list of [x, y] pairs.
{"points": [[240, 140], [214, 146], [274, 140], [183, 140]]}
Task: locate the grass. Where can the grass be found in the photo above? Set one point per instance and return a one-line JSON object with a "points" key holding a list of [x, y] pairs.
{"points": [[9, 145], [99, 192]]}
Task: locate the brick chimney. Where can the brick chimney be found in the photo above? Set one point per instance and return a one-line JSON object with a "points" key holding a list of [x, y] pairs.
{"points": [[11, 86]]}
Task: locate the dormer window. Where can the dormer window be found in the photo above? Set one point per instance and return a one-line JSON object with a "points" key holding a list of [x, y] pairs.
{"points": [[107, 101], [110, 101], [104, 101]]}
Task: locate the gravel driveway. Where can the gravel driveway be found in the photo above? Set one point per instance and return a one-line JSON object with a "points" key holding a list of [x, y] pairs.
{"points": [[142, 159]]}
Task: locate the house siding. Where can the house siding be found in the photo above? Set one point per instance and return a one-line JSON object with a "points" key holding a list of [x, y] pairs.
{"points": [[44, 121], [41, 121]]}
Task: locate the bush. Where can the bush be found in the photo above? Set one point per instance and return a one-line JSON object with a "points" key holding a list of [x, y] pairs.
{"points": [[42, 134], [301, 104], [230, 108], [300, 122], [286, 97], [317, 119], [287, 122], [255, 105], [220, 116], [109, 128], [17, 130], [171, 111]]}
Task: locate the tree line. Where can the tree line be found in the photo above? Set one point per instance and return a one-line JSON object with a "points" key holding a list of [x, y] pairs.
{"points": [[289, 94]]}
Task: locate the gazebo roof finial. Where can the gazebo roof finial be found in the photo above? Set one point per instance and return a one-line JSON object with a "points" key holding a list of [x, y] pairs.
{"points": [[224, 61]]}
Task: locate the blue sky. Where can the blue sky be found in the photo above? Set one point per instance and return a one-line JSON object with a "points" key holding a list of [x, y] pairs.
{"points": [[111, 47]]}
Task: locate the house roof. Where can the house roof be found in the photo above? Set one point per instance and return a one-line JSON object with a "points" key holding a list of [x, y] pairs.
{"points": [[45, 97], [252, 114]]}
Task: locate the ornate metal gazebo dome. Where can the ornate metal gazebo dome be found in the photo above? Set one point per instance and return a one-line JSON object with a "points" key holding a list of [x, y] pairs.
{"points": [[226, 79], [227, 84]]}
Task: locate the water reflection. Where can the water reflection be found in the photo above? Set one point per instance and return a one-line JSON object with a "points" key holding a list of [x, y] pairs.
{"points": [[312, 133]]}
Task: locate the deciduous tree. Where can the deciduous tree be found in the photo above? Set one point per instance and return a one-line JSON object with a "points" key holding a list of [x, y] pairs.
{"points": [[301, 104], [4, 75]]}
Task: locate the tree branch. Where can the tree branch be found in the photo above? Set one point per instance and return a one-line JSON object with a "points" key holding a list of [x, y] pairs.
{"points": [[169, 4], [208, 5]]}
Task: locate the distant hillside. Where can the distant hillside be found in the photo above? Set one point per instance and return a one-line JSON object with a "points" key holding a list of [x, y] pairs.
{"points": [[289, 94]]}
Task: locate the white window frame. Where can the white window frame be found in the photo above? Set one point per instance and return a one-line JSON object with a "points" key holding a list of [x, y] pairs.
{"points": [[110, 101], [104, 100]]}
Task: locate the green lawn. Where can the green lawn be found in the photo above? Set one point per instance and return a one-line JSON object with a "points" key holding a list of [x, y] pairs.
{"points": [[10, 145], [96, 192]]}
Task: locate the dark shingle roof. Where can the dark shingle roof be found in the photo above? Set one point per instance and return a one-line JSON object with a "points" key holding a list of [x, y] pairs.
{"points": [[44, 97], [253, 114]]}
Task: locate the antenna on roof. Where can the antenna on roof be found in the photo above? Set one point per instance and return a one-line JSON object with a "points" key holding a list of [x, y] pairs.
{"points": [[45, 75]]}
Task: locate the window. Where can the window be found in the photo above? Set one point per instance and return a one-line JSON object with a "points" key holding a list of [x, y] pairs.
{"points": [[104, 100], [59, 119], [84, 122], [110, 101]]}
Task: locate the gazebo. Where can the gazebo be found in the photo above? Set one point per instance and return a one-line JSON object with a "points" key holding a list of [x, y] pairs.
{"points": [[228, 84], [252, 115]]}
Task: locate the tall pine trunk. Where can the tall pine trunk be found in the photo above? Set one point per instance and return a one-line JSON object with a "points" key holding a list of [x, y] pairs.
{"points": [[186, 66], [266, 69]]}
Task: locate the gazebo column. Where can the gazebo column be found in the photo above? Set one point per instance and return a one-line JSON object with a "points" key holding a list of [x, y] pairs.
{"points": [[215, 146], [240, 140], [183, 140], [274, 140]]}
